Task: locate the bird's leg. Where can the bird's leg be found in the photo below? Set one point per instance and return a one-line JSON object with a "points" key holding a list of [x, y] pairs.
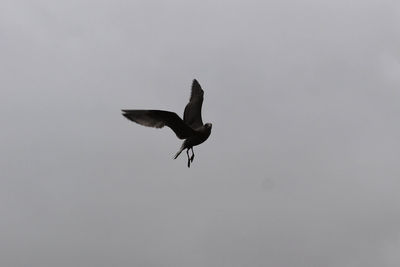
{"points": [[187, 153], [192, 157]]}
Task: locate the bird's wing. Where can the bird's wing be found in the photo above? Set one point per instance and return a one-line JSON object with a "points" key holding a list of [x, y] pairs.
{"points": [[192, 113], [159, 119]]}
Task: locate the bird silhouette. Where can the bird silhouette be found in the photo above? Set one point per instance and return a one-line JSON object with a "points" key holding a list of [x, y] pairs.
{"points": [[191, 128]]}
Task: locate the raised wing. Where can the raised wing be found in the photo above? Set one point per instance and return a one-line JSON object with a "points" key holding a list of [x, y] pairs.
{"points": [[192, 114], [159, 119]]}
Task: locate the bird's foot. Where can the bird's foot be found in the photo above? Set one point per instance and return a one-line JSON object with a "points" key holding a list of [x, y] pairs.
{"points": [[192, 157]]}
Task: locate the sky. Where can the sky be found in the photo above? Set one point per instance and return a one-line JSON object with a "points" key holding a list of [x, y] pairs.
{"points": [[301, 168]]}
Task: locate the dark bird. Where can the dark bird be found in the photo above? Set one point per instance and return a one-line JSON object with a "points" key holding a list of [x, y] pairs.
{"points": [[191, 128]]}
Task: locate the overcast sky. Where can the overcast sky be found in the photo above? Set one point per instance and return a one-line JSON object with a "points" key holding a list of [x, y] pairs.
{"points": [[301, 168]]}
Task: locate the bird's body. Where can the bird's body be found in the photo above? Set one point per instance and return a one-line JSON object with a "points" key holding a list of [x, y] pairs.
{"points": [[201, 135], [191, 128]]}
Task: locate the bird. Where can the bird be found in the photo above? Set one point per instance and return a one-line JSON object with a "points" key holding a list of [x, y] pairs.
{"points": [[190, 128]]}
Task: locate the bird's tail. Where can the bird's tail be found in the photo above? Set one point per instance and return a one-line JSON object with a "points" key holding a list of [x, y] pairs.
{"points": [[180, 151]]}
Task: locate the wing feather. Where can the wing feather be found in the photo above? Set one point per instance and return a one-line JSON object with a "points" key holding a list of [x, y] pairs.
{"points": [[192, 113], [159, 119]]}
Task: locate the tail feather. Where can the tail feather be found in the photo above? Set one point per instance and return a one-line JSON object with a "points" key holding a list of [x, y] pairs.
{"points": [[179, 152]]}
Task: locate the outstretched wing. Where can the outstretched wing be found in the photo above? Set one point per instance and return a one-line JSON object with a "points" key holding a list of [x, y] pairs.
{"points": [[159, 119], [192, 114]]}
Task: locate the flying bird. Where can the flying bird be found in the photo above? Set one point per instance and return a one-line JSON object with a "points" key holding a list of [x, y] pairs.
{"points": [[191, 128]]}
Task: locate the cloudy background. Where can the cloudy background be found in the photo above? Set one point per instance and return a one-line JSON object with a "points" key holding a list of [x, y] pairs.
{"points": [[301, 168]]}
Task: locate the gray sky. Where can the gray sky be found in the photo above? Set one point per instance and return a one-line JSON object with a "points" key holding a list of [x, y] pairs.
{"points": [[301, 168]]}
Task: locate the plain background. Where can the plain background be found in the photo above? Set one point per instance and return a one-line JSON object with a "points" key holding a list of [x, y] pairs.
{"points": [[301, 168]]}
